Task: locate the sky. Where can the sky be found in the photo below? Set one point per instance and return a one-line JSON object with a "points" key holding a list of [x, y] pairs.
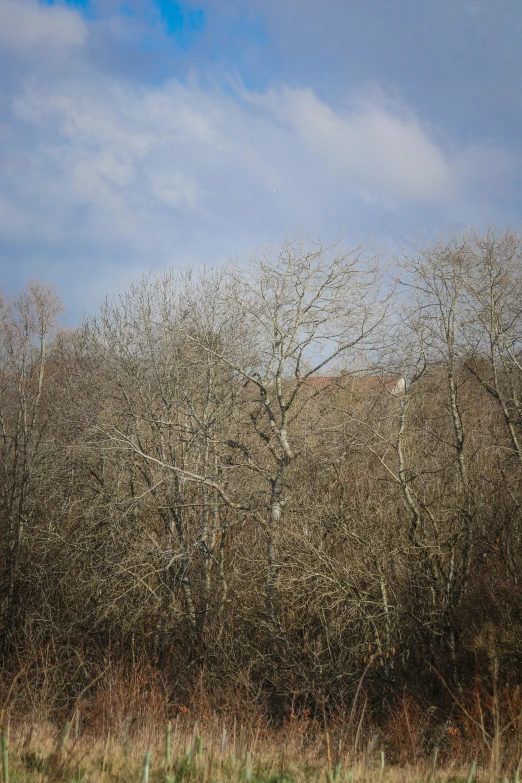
{"points": [[138, 134]]}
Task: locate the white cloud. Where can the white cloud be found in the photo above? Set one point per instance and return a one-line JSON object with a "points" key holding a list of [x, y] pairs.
{"points": [[373, 146], [103, 172], [120, 154], [25, 25], [175, 189], [136, 157]]}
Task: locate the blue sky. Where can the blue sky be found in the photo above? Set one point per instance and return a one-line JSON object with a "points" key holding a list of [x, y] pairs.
{"points": [[139, 134]]}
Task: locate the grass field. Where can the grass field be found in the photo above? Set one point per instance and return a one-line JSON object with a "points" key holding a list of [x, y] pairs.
{"points": [[178, 753]]}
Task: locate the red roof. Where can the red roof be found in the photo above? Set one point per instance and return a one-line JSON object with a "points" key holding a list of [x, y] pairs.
{"points": [[357, 384]]}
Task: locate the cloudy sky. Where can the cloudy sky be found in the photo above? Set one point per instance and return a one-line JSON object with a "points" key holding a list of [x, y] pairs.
{"points": [[141, 133]]}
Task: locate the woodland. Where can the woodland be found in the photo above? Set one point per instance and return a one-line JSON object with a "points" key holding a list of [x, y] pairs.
{"points": [[291, 485]]}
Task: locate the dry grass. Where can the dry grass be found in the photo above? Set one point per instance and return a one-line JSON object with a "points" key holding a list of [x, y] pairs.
{"points": [[124, 714], [241, 754]]}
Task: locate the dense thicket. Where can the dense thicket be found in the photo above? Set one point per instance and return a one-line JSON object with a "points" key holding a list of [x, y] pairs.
{"points": [[278, 477]]}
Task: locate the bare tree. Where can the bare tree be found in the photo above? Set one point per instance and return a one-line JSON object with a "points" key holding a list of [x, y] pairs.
{"points": [[494, 331], [27, 325], [438, 274], [244, 455], [295, 312], [166, 415]]}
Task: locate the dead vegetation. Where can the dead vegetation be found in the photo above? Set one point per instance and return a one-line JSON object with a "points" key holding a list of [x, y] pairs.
{"points": [[280, 496]]}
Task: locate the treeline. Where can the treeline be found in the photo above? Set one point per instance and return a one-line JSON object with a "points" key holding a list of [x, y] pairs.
{"points": [[295, 477]]}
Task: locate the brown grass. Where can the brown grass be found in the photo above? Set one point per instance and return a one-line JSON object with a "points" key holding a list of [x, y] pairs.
{"points": [[283, 757], [122, 712]]}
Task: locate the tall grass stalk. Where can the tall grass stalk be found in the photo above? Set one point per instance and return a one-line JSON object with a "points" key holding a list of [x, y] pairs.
{"points": [[63, 737], [105, 751], [168, 753], [471, 773], [146, 768], [327, 734], [248, 767], [5, 755], [434, 757]]}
